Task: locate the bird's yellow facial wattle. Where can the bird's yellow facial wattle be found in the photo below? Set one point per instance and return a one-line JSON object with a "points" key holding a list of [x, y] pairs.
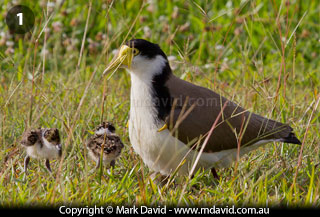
{"points": [[124, 58]]}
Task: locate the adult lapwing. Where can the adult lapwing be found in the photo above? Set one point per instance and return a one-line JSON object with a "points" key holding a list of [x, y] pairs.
{"points": [[42, 143], [170, 118]]}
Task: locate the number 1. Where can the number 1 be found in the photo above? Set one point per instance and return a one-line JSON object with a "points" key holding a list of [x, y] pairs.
{"points": [[20, 15]]}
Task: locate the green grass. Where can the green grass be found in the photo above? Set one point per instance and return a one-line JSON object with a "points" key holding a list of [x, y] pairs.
{"points": [[232, 48]]}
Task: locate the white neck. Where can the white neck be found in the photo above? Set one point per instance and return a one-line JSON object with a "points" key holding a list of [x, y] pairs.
{"points": [[103, 131], [142, 71], [142, 109]]}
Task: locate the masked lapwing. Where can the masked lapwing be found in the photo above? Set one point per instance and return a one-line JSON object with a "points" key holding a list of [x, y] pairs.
{"points": [[42, 143], [106, 142], [170, 118]]}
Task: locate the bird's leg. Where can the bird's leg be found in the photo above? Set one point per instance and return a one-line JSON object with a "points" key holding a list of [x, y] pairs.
{"points": [[165, 126], [112, 163], [214, 173], [48, 165], [153, 175], [98, 163], [158, 178], [26, 162]]}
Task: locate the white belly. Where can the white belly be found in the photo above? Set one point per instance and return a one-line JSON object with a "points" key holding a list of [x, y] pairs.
{"points": [[159, 150], [44, 152]]}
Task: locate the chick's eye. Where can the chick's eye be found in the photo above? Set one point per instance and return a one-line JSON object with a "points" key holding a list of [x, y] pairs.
{"points": [[135, 51], [111, 128]]}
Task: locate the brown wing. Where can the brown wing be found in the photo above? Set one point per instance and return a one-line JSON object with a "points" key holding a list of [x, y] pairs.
{"points": [[205, 105], [94, 144], [30, 137], [111, 142]]}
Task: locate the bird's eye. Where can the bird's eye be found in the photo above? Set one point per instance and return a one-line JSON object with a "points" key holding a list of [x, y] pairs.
{"points": [[135, 51], [111, 128]]}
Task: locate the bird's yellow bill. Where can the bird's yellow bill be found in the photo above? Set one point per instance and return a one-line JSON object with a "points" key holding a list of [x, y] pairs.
{"points": [[124, 57], [165, 126]]}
